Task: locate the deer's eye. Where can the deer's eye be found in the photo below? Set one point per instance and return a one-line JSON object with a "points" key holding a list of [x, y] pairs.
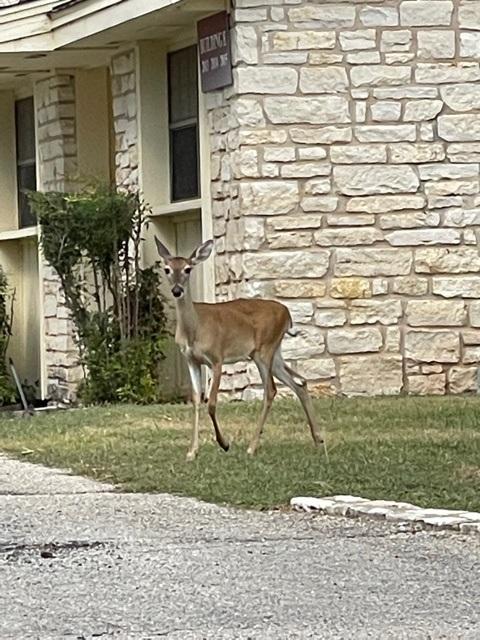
{"points": [[188, 269], [168, 271]]}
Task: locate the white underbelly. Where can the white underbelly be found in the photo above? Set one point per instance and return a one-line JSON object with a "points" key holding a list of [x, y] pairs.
{"points": [[191, 353], [236, 358]]}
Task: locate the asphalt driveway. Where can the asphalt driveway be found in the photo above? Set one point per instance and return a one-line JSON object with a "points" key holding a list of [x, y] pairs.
{"points": [[79, 561]]}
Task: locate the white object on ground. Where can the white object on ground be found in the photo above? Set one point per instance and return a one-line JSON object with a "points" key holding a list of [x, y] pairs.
{"points": [[391, 511]]}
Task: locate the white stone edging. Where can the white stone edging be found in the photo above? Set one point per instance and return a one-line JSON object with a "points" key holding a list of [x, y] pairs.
{"points": [[390, 511]]}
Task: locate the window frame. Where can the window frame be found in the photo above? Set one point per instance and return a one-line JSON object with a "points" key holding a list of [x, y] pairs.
{"points": [[178, 125], [25, 218]]}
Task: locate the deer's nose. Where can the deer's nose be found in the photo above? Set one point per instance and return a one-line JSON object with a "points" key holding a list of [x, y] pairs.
{"points": [[177, 291]]}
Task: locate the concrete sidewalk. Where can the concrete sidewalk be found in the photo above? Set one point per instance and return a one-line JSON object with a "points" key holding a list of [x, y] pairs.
{"points": [[80, 561]]}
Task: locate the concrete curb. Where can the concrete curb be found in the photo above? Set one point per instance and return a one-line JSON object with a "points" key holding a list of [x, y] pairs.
{"points": [[402, 513]]}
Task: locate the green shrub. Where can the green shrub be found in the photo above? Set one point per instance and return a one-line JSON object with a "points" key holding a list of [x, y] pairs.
{"points": [[93, 240]]}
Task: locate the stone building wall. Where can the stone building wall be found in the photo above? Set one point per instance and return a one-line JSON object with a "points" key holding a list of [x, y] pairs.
{"points": [[349, 153], [56, 135], [231, 230], [57, 150], [125, 118]]}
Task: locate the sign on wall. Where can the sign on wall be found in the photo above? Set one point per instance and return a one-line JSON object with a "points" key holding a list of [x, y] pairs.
{"points": [[214, 52]]}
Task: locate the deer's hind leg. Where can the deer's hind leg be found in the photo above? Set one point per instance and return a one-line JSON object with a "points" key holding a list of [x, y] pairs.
{"points": [[298, 385], [212, 405], [264, 365]]}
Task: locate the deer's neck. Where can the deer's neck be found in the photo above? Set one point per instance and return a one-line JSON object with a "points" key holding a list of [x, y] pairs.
{"points": [[187, 319]]}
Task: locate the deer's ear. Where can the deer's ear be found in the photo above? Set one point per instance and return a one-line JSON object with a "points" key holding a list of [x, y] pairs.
{"points": [[202, 252], [162, 250]]}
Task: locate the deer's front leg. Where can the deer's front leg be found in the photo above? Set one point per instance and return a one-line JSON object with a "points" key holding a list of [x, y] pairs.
{"points": [[196, 378]]}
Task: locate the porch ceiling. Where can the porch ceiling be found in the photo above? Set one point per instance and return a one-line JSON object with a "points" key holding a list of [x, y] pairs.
{"points": [[39, 36]]}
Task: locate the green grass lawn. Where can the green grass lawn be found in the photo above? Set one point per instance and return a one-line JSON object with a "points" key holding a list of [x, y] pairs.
{"points": [[422, 450]]}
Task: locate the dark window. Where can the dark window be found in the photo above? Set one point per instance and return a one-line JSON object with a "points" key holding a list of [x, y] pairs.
{"points": [[26, 166], [183, 123]]}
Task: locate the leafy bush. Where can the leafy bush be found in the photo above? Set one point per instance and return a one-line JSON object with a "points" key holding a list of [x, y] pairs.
{"points": [[7, 390], [93, 240]]}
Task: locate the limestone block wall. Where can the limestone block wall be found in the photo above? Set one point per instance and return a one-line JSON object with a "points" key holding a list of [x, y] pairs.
{"points": [[346, 184], [228, 224], [57, 150], [56, 136], [230, 228], [125, 118]]}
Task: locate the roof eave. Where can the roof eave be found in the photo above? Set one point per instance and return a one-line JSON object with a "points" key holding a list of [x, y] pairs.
{"points": [[44, 28]]}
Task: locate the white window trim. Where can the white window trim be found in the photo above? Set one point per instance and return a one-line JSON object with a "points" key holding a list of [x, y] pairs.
{"points": [[18, 234], [177, 207]]}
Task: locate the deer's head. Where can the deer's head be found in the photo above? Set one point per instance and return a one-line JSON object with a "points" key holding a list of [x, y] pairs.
{"points": [[178, 269]]}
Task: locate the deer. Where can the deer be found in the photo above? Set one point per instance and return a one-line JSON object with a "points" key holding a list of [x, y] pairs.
{"points": [[238, 330]]}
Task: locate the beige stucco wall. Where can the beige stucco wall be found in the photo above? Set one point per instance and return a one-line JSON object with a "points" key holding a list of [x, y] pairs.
{"points": [[93, 123], [19, 260], [18, 255], [345, 169], [8, 185]]}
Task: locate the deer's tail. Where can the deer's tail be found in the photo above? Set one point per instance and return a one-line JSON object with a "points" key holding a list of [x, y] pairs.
{"points": [[295, 331]]}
